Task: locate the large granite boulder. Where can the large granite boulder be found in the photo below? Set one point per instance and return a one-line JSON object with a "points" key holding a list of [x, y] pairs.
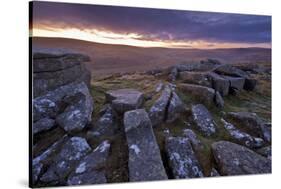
{"points": [[233, 159], [219, 83], [203, 120], [202, 94], [242, 137], [236, 82], [250, 123], [198, 78], [145, 163], [229, 70], [63, 163], [53, 68], [106, 125], [91, 169], [123, 100], [157, 112], [181, 158], [71, 105]]}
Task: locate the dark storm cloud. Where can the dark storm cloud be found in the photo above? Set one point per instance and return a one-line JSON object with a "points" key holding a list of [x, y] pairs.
{"points": [[157, 24]]}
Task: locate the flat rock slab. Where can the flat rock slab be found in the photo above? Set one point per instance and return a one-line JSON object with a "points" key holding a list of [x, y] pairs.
{"points": [[145, 163], [241, 137], [230, 70], [63, 163], [249, 122], [123, 100], [219, 83], [198, 78], [236, 82], [91, 169], [203, 120], [202, 94], [181, 158], [233, 159]]}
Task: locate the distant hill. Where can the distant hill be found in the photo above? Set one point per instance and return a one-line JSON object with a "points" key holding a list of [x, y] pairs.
{"points": [[106, 58]]}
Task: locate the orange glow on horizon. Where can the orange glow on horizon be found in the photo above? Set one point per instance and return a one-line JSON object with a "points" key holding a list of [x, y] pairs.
{"points": [[134, 39]]}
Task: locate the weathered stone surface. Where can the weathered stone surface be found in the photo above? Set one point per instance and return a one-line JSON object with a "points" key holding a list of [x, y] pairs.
{"points": [[175, 108], [76, 115], [43, 124], [198, 78], [219, 100], [68, 157], [230, 70], [181, 158], [106, 125], [250, 84], [233, 159], [53, 68], [39, 162], [203, 94], [145, 161], [91, 169], [192, 137], [158, 110], [246, 121], [52, 103], [242, 137], [236, 82], [123, 100], [265, 151], [203, 120], [219, 83]]}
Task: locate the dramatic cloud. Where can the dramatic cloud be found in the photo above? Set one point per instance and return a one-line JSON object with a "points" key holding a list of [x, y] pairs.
{"points": [[155, 24]]}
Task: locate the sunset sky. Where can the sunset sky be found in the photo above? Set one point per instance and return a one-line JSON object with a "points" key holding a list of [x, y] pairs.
{"points": [[150, 27]]}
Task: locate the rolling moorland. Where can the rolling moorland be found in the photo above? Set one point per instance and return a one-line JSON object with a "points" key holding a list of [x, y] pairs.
{"points": [[108, 59], [140, 114]]}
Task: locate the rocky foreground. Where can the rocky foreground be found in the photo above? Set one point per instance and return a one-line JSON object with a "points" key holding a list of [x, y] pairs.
{"points": [[163, 124]]}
